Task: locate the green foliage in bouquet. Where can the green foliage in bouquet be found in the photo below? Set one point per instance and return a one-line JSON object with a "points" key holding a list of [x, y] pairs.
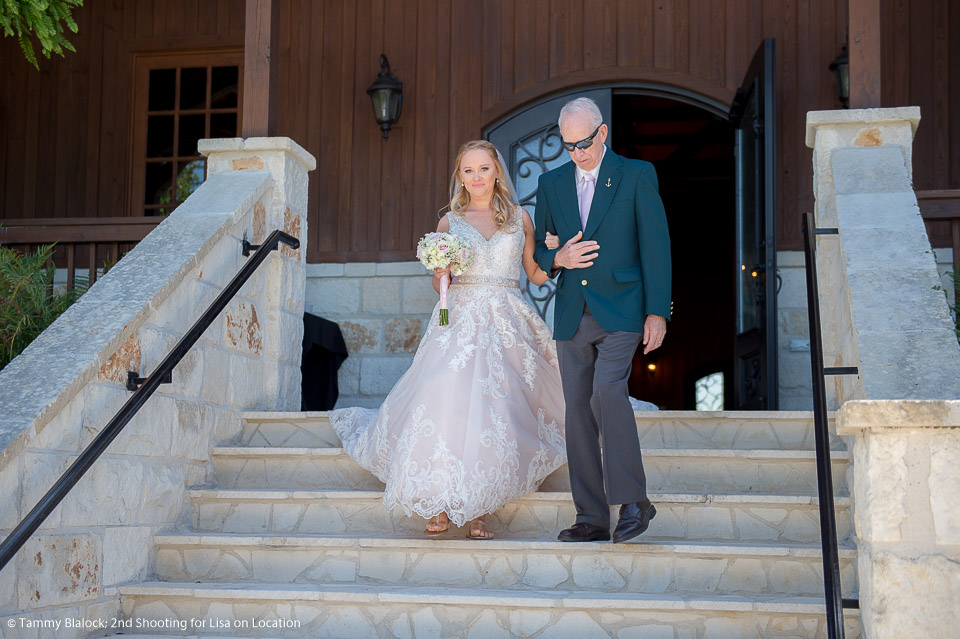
{"points": [[44, 19], [29, 303]]}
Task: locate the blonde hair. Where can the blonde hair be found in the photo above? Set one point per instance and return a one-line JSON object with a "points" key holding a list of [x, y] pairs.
{"points": [[503, 210]]}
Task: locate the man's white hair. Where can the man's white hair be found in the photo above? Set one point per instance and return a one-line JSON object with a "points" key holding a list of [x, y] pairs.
{"points": [[581, 106]]}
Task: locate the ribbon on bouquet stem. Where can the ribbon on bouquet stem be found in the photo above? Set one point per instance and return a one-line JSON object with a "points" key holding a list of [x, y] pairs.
{"points": [[444, 285]]}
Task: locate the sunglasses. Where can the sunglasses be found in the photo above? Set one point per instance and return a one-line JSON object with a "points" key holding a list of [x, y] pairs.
{"points": [[583, 144]]}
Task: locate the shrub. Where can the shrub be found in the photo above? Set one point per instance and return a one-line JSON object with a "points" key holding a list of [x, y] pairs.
{"points": [[28, 301], [954, 275]]}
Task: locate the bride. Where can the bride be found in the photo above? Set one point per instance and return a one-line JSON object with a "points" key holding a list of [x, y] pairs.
{"points": [[477, 420]]}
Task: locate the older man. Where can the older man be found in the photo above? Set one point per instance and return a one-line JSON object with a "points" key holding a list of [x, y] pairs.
{"points": [[613, 291]]}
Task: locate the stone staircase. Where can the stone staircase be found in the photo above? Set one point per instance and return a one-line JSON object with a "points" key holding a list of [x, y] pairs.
{"points": [[295, 542]]}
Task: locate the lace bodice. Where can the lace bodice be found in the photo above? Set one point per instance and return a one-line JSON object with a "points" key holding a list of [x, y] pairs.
{"points": [[498, 257]]}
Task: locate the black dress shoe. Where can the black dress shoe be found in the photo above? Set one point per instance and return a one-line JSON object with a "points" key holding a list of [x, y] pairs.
{"points": [[584, 532], [634, 520]]}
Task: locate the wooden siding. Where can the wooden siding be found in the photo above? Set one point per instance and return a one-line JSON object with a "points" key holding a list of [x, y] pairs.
{"points": [[67, 128], [370, 198], [921, 67]]}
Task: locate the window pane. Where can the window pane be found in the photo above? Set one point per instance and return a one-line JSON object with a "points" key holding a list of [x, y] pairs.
{"points": [[709, 392], [162, 87], [223, 125], [159, 179], [193, 88], [190, 177], [159, 136], [191, 130], [224, 88]]}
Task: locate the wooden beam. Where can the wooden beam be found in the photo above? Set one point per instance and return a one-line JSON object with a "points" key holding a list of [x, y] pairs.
{"points": [[864, 48], [939, 205], [77, 230], [261, 50]]}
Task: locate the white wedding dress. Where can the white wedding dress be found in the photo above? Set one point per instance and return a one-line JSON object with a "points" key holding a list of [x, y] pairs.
{"points": [[477, 420]]}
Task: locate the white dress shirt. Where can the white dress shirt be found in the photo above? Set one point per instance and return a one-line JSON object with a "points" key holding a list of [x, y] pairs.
{"points": [[595, 171]]}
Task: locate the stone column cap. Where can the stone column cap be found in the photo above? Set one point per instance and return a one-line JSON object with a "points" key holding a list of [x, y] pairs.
{"points": [[867, 414], [863, 117], [219, 145]]}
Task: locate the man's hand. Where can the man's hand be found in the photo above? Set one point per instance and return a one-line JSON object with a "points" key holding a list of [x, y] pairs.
{"points": [[576, 254], [654, 330]]}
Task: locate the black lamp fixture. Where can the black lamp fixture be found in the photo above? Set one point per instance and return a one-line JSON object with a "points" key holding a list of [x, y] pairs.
{"points": [[386, 93], [841, 73]]}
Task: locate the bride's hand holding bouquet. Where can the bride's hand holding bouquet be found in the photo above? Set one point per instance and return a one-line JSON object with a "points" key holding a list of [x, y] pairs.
{"points": [[446, 254]]}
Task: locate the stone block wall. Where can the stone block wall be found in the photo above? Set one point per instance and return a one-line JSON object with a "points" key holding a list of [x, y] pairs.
{"points": [[793, 334], [382, 310], [907, 491], [796, 392], [900, 414], [880, 310], [69, 383]]}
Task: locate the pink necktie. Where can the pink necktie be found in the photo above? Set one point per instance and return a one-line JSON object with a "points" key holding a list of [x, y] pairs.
{"points": [[586, 198]]}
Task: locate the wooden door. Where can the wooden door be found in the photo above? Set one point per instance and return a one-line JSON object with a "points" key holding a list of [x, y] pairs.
{"points": [[755, 347]]}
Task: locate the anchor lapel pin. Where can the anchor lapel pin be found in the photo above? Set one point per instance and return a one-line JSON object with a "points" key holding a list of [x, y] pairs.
{"points": [[608, 184]]}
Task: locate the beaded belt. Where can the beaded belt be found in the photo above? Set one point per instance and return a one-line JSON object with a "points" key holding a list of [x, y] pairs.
{"points": [[487, 281]]}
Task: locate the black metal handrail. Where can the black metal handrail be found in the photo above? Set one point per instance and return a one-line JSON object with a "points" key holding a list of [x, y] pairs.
{"points": [[828, 522], [29, 525]]}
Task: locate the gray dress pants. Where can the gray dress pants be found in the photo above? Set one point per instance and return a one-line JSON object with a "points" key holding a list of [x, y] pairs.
{"points": [[594, 368]]}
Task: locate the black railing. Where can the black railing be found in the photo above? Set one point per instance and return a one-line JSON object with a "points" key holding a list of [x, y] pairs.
{"points": [[16, 539], [828, 520]]}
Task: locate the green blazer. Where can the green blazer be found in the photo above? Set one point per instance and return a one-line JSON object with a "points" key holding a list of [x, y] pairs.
{"points": [[630, 278]]}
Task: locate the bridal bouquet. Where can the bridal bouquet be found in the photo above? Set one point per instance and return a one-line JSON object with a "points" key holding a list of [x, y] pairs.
{"points": [[440, 250]]}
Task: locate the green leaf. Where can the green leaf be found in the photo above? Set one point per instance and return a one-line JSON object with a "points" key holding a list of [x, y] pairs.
{"points": [[29, 302], [41, 19]]}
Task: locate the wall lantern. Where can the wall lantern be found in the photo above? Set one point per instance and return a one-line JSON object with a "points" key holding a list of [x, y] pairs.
{"points": [[386, 93], [841, 72]]}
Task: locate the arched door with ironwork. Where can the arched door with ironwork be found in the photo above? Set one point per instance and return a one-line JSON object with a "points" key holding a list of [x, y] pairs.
{"points": [[706, 186], [530, 144]]}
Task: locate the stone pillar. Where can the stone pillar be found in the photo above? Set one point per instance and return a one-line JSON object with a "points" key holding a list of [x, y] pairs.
{"points": [[906, 465], [878, 307], [284, 275], [880, 312]]}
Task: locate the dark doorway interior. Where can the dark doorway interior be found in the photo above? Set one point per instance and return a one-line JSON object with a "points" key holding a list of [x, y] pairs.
{"points": [[693, 152]]}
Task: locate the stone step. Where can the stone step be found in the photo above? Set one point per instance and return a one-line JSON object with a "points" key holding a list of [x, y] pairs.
{"points": [[359, 612], [770, 430], [689, 516], [791, 472], [524, 564]]}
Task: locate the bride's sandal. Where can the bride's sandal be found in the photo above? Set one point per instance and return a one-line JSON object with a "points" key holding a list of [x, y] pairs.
{"points": [[436, 527], [478, 530]]}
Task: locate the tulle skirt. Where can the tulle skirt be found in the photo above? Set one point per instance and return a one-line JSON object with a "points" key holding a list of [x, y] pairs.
{"points": [[478, 418]]}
